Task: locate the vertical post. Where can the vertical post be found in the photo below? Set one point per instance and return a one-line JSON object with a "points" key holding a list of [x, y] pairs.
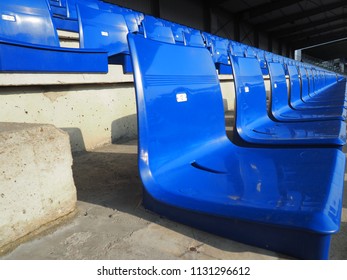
{"points": [[155, 8], [236, 29], [269, 44], [207, 16], [289, 51], [280, 47], [256, 38]]}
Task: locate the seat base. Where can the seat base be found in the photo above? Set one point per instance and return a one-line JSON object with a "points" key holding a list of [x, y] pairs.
{"points": [[288, 241], [16, 57]]}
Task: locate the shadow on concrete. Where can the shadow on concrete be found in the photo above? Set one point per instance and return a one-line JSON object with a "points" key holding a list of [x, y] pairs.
{"points": [[124, 129], [76, 138]]}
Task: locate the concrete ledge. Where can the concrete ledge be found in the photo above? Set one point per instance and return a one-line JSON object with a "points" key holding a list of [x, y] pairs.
{"points": [[36, 183], [114, 75]]}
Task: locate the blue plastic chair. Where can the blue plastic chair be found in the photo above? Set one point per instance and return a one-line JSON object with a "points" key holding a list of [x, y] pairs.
{"points": [[253, 52], [280, 108], [27, 21], [219, 48], [286, 200], [105, 29], [236, 49], [155, 29], [297, 85], [178, 31], [318, 99], [253, 124], [29, 42], [298, 96], [102, 29], [193, 38], [64, 14]]}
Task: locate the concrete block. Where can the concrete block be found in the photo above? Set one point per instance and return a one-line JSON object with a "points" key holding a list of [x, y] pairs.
{"points": [[36, 183]]}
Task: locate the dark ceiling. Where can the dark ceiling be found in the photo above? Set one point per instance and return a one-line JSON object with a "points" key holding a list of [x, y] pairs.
{"points": [[298, 23]]}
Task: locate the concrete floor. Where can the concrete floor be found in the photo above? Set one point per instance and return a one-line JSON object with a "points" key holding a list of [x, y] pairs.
{"points": [[111, 223]]}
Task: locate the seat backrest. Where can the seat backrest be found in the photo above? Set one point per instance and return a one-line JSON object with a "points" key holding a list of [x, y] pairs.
{"points": [[250, 102], [179, 99], [132, 20], [294, 83], [236, 50], [155, 29], [178, 31], [220, 47], [193, 38], [250, 52], [310, 78], [304, 82], [279, 92], [27, 21], [102, 29]]}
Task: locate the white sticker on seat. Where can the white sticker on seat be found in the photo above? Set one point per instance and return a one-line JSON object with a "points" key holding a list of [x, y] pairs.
{"points": [[8, 17], [181, 97], [246, 89], [104, 33]]}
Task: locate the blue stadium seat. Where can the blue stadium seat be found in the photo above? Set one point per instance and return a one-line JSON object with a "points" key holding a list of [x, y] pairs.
{"points": [[286, 200], [193, 38], [254, 126], [105, 29], [155, 29], [316, 97], [296, 85], [297, 97], [133, 20], [27, 21], [280, 108], [64, 14], [236, 49], [219, 48], [253, 52], [178, 31], [102, 29], [29, 42]]}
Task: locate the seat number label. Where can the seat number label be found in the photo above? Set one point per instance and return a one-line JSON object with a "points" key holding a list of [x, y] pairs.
{"points": [[181, 97], [8, 17]]}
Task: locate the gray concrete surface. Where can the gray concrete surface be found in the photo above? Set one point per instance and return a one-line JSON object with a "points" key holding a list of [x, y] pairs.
{"points": [[111, 223], [36, 183]]}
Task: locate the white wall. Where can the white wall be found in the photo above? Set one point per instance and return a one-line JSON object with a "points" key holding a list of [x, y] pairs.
{"points": [[95, 111]]}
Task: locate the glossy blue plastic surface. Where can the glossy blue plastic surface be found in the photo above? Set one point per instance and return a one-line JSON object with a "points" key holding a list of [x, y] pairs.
{"points": [[315, 97], [252, 52], [18, 57], [155, 29], [287, 200], [295, 95], [27, 21], [237, 50], [102, 29], [253, 124], [280, 108], [29, 42], [193, 38], [219, 48], [297, 101]]}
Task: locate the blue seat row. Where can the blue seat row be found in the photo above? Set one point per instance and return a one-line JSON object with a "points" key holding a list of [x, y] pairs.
{"points": [[278, 184], [287, 199], [263, 192], [29, 42]]}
